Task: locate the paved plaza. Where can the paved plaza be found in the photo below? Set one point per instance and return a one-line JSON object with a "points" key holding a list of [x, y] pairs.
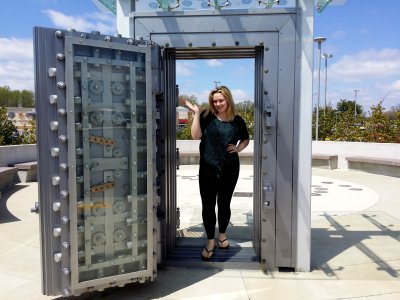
{"points": [[355, 245]]}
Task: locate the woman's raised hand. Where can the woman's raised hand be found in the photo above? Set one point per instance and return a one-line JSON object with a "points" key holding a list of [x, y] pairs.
{"points": [[192, 107]]}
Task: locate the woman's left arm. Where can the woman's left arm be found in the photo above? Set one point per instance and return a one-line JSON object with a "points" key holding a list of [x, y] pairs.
{"points": [[237, 148], [243, 144]]}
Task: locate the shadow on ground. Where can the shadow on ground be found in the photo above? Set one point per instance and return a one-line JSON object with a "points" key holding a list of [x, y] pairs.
{"points": [[5, 215]]}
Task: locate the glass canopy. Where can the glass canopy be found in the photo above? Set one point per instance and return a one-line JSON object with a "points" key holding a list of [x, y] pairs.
{"points": [[158, 5]]}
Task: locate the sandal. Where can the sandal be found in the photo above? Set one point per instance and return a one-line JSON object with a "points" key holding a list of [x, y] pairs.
{"points": [[221, 242], [207, 258]]}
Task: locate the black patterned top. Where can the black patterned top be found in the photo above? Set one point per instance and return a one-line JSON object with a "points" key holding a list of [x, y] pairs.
{"points": [[216, 135]]}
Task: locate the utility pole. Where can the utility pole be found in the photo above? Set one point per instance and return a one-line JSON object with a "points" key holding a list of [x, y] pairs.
{"points": [[355, 104], [326, 56], [216, 83], [318, 40]]}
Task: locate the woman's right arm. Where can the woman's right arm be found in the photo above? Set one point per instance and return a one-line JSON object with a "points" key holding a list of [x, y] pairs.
{"points": [[195, 129]]}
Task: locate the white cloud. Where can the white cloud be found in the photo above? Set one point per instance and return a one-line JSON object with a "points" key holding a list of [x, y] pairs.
{"points": [[214, 63], [339, 34], [15, 49], [239, 95], [105, 23], [16, 55], [185, 68], [16, 63], [366, 65]]}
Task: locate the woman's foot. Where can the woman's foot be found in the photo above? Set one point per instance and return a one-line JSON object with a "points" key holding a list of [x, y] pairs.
{"points": [[208, 251], [223, 242]]}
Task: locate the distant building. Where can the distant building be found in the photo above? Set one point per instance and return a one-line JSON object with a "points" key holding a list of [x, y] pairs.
{"points": [[21, 117], [182, 116]]}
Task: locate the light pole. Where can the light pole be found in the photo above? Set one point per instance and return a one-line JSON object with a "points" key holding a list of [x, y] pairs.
{"points": [[326, 56], [318, 40], [355, 103], [216, 83]]}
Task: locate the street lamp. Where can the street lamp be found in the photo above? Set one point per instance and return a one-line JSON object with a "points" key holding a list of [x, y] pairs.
{"points": [[216, 83], [326, 56], [355, 103], [318, 40]]}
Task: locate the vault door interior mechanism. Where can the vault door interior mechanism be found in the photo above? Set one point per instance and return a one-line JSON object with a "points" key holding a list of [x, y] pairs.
{"points": [[110, 134]]}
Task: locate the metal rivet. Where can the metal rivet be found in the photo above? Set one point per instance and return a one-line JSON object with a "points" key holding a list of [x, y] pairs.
{"points": [[53, 99], [55, 180], [56, 206], [265, 92], [65, 220], [213, 44], [52, 72], [62, 138], [60, 56], [54, 125], [65, 245], [57, 256], [56, 231], [64, 194], [54, 152], [66, 271], [61, 85], [190, 44], [59, 34], [237, 43], [63, 166], [62, 112]]}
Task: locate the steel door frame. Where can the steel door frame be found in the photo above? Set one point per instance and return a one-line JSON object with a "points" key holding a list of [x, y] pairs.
{"points": [[277, 150]]}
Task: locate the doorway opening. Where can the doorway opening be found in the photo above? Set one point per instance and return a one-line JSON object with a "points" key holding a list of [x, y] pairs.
{"points": [[195, 78]]}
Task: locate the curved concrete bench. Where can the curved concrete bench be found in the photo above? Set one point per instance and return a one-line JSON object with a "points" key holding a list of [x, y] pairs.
{"points": [[325, 161], [7, 177], [382, 166], [27, 171]]}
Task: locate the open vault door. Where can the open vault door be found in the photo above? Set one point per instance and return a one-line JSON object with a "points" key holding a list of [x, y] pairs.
{"points": [[96, 103]]}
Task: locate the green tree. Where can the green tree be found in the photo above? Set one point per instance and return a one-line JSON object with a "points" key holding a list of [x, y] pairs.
{"points": [[15, 98], [396, 128], [245, 109], [378, 127], [347, 105], [8, 132], [326, 124], [27, 98], [348, 129], [29, 134]]}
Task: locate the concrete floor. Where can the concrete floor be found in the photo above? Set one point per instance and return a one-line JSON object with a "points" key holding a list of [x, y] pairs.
{"points": [[355, 246]]}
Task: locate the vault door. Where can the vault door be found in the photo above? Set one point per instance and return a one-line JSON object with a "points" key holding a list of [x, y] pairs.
{"points": [[97, 149]]}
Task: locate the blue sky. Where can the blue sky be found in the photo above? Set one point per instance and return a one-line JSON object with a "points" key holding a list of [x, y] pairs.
{"points": [[362, 36]]}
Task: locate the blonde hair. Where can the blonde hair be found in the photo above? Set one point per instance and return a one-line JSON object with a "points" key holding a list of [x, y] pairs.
{"points": [[224, 91]]}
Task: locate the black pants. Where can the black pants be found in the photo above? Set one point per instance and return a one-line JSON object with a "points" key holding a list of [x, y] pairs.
{"points": [[217, 186]]}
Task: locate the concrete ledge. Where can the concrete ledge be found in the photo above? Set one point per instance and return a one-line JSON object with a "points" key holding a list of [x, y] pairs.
{"points": [[383, 166], [27, 171], [193, 158], [7, 177], [325, 161]]}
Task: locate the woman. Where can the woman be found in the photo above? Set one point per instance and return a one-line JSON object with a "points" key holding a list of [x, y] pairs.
{"points": [[223, 135]]}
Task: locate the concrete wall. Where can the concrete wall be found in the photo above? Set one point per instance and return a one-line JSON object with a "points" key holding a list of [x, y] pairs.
{"points": [[24, 153], [189, 149], [189, 152], [13, 154], [343, 149]]}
